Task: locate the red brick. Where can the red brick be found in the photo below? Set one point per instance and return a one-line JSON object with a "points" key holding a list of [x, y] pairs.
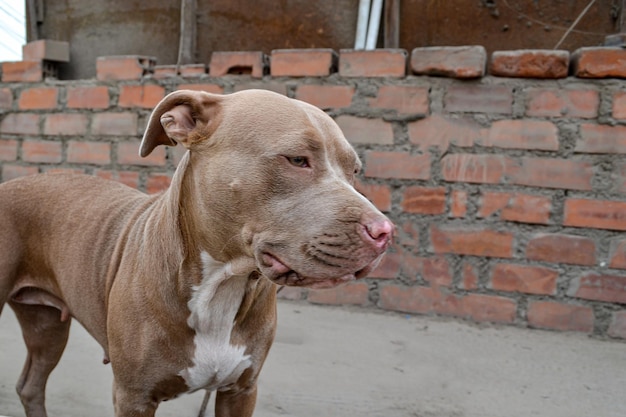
{"points": [[450, 61], [441, 131], [10, 171], [516, 207], [65, 124], [525, 208], [482, 169], [619, 105], [157, 182], [617, 328], [403, 99], [361, 131], [601, 287], [552, 173], [374, 63], [408, 265], [60, 170], [82, 152], [522, 134], [303, 62], [599, 62], [39, 98], [20, 124], [192, 70], [130, 178], [618, 254], [489, 308], [560, 248], [562, 103], [326, 96], [557, 316], [237, 63], [353, 293], [165, 71], [524, 278], [409, 299], [424, 200], [46, 49], [6, 98], [114, 124], [451, 305], [469, 276], [601, 139], [420, 300], [46, 151], [22, 71], [408, 234], [397, 165], [128, 154], [378, 194], [458, 203], [474, 241], [8, 149], [530, 63], [87, 97], [477, 307], [479, 99], [598, 214], [491, 203], [209, 88], [142, 96], [124, 67], [436, 271], [389, 267]]}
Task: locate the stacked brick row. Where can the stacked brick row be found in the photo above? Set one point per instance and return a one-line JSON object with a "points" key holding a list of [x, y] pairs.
{"points": [[463, 62], [509, 193]]}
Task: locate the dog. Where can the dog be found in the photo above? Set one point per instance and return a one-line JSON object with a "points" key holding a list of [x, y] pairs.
{"points": [[179, 288]]}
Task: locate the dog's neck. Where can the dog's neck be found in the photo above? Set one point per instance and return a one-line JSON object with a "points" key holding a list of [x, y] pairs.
{"points": [[203, 224]]}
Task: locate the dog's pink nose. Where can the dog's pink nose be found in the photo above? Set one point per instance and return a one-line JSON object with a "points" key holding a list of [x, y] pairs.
{"points": [[380, 231]]}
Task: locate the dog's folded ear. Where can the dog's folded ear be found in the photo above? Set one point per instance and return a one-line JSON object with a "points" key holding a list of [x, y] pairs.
{"points": [[181, 117]]}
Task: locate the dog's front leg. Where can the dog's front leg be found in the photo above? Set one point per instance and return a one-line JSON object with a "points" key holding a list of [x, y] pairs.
{"points": [[235, 403], [129, 404]]}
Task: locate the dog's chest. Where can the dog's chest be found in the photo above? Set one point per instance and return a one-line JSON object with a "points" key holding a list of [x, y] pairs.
{"points": [[214, 304]]}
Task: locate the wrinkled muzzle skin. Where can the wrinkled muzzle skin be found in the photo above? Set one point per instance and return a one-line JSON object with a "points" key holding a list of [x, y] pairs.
{"points": [[321, 239], [281, 176]]}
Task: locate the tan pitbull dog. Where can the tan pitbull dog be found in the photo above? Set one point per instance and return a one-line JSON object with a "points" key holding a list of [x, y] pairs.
{"points": [[179, 288]]}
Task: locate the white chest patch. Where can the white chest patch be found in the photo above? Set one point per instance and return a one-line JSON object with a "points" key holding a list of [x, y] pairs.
{"points": [[213, 306]]}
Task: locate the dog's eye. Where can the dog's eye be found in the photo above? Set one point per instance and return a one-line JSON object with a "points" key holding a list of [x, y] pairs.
{"points": [[299, 161]]}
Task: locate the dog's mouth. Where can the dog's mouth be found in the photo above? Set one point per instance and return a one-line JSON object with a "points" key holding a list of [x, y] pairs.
{"points": [[280, 273]]}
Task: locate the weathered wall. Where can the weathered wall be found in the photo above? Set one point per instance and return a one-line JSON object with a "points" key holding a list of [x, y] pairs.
{"points": [[116, 27], [509, 193]]}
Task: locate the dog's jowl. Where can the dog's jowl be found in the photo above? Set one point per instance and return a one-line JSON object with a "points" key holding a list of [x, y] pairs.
{"points": [[263, 197]]}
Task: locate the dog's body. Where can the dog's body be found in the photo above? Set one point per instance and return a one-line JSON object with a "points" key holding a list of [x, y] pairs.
{"points": [[179, 288]]}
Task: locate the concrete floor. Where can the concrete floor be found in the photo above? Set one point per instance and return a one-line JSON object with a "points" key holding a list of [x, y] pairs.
{"points": [[330, 361]]}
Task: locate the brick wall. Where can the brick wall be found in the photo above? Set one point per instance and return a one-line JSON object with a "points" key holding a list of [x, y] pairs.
{"points": [[505, 176]]}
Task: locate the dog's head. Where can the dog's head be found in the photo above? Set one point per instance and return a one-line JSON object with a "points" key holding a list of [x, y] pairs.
{"points": [[272, 178]]}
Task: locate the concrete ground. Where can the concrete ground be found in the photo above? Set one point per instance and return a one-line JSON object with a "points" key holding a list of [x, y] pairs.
{"points": [[330, 361]]}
